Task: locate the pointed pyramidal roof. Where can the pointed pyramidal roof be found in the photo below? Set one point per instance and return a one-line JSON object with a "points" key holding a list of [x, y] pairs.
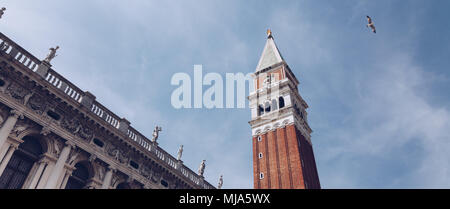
{"points": [[271, 55]]}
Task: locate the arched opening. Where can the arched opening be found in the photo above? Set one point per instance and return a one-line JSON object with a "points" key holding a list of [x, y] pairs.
{"points": [[20, 164], [281, 102], [79, 177], [123, 185], [260, 110]]}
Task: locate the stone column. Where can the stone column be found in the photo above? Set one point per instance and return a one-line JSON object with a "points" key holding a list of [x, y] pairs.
{"points": [[61, 178], [108, 177], [8, 126], [7, 157], [66, 179], [3, 151], [38, 175], [45, 174], [59, 167]]}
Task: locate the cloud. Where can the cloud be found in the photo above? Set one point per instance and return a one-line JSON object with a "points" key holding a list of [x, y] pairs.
{"points": [[370, 96], [374, 126], [388, 118]]}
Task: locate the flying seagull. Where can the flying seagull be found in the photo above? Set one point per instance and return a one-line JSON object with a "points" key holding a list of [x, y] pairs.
{"points": [[2, 12], [371, 25]]}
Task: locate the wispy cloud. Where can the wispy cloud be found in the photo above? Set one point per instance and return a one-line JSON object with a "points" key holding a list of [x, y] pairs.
{"points": [[371, 96]]}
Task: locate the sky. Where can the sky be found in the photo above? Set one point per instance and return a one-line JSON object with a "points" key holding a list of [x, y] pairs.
{"points": [[378, 103]]}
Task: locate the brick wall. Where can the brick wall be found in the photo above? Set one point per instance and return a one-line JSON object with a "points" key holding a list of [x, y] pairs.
{"points": [[284, 150]]}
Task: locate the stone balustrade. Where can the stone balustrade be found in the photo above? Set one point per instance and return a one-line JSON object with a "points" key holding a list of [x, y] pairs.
{"points": [[25, 59]]}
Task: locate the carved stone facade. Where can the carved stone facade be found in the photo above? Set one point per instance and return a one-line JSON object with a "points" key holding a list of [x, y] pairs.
{"points": [[69, 139]]}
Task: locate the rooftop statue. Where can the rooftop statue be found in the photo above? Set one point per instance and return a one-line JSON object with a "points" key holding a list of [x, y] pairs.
{"points": [[219, 186], [201, 169], [156, 133], [51, 54], [180, 153]]}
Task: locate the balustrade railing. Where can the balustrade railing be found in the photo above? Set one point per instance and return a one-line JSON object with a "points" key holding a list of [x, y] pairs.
{"points": [[21, 57]]}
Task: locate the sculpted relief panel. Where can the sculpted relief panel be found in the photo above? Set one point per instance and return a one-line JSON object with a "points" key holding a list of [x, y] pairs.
{"points": [[37, 104], [17, 91]]}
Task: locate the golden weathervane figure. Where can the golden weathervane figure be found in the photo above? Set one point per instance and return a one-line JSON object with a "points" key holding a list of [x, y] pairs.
{"points": [[269, 33]]}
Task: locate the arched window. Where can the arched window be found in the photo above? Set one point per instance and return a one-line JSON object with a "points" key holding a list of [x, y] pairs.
{"points": [[274, 105], [260, 110], [267, 107], [79, 177], [20, 164], [281, 102]]}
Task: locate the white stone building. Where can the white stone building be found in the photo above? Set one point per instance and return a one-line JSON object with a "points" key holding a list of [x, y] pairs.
{"points": [[54, 135]]}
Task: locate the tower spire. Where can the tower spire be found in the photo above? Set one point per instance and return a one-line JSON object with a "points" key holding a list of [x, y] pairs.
{"points": [[271, 55]]}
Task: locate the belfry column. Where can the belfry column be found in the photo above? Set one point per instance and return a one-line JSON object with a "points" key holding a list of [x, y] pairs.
{"points": [[8, 126], [107, 178], [7, 157], [59, 167]]}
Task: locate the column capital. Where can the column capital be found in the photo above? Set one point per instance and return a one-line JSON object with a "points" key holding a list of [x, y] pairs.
{"points": [[92, 157], [14, 146], [45, 130], [70, 144], [69, 172], [16, 114], [43, 160], [111, 168]]}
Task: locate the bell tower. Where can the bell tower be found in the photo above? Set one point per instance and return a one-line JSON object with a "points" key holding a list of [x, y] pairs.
{"points": [[283, 156]]}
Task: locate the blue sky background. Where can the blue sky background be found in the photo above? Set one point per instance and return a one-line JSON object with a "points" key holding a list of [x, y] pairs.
{"points": [[379, 103]]}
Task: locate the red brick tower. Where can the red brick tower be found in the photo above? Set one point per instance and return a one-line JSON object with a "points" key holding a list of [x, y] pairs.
{"points": [[283, 156]]}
